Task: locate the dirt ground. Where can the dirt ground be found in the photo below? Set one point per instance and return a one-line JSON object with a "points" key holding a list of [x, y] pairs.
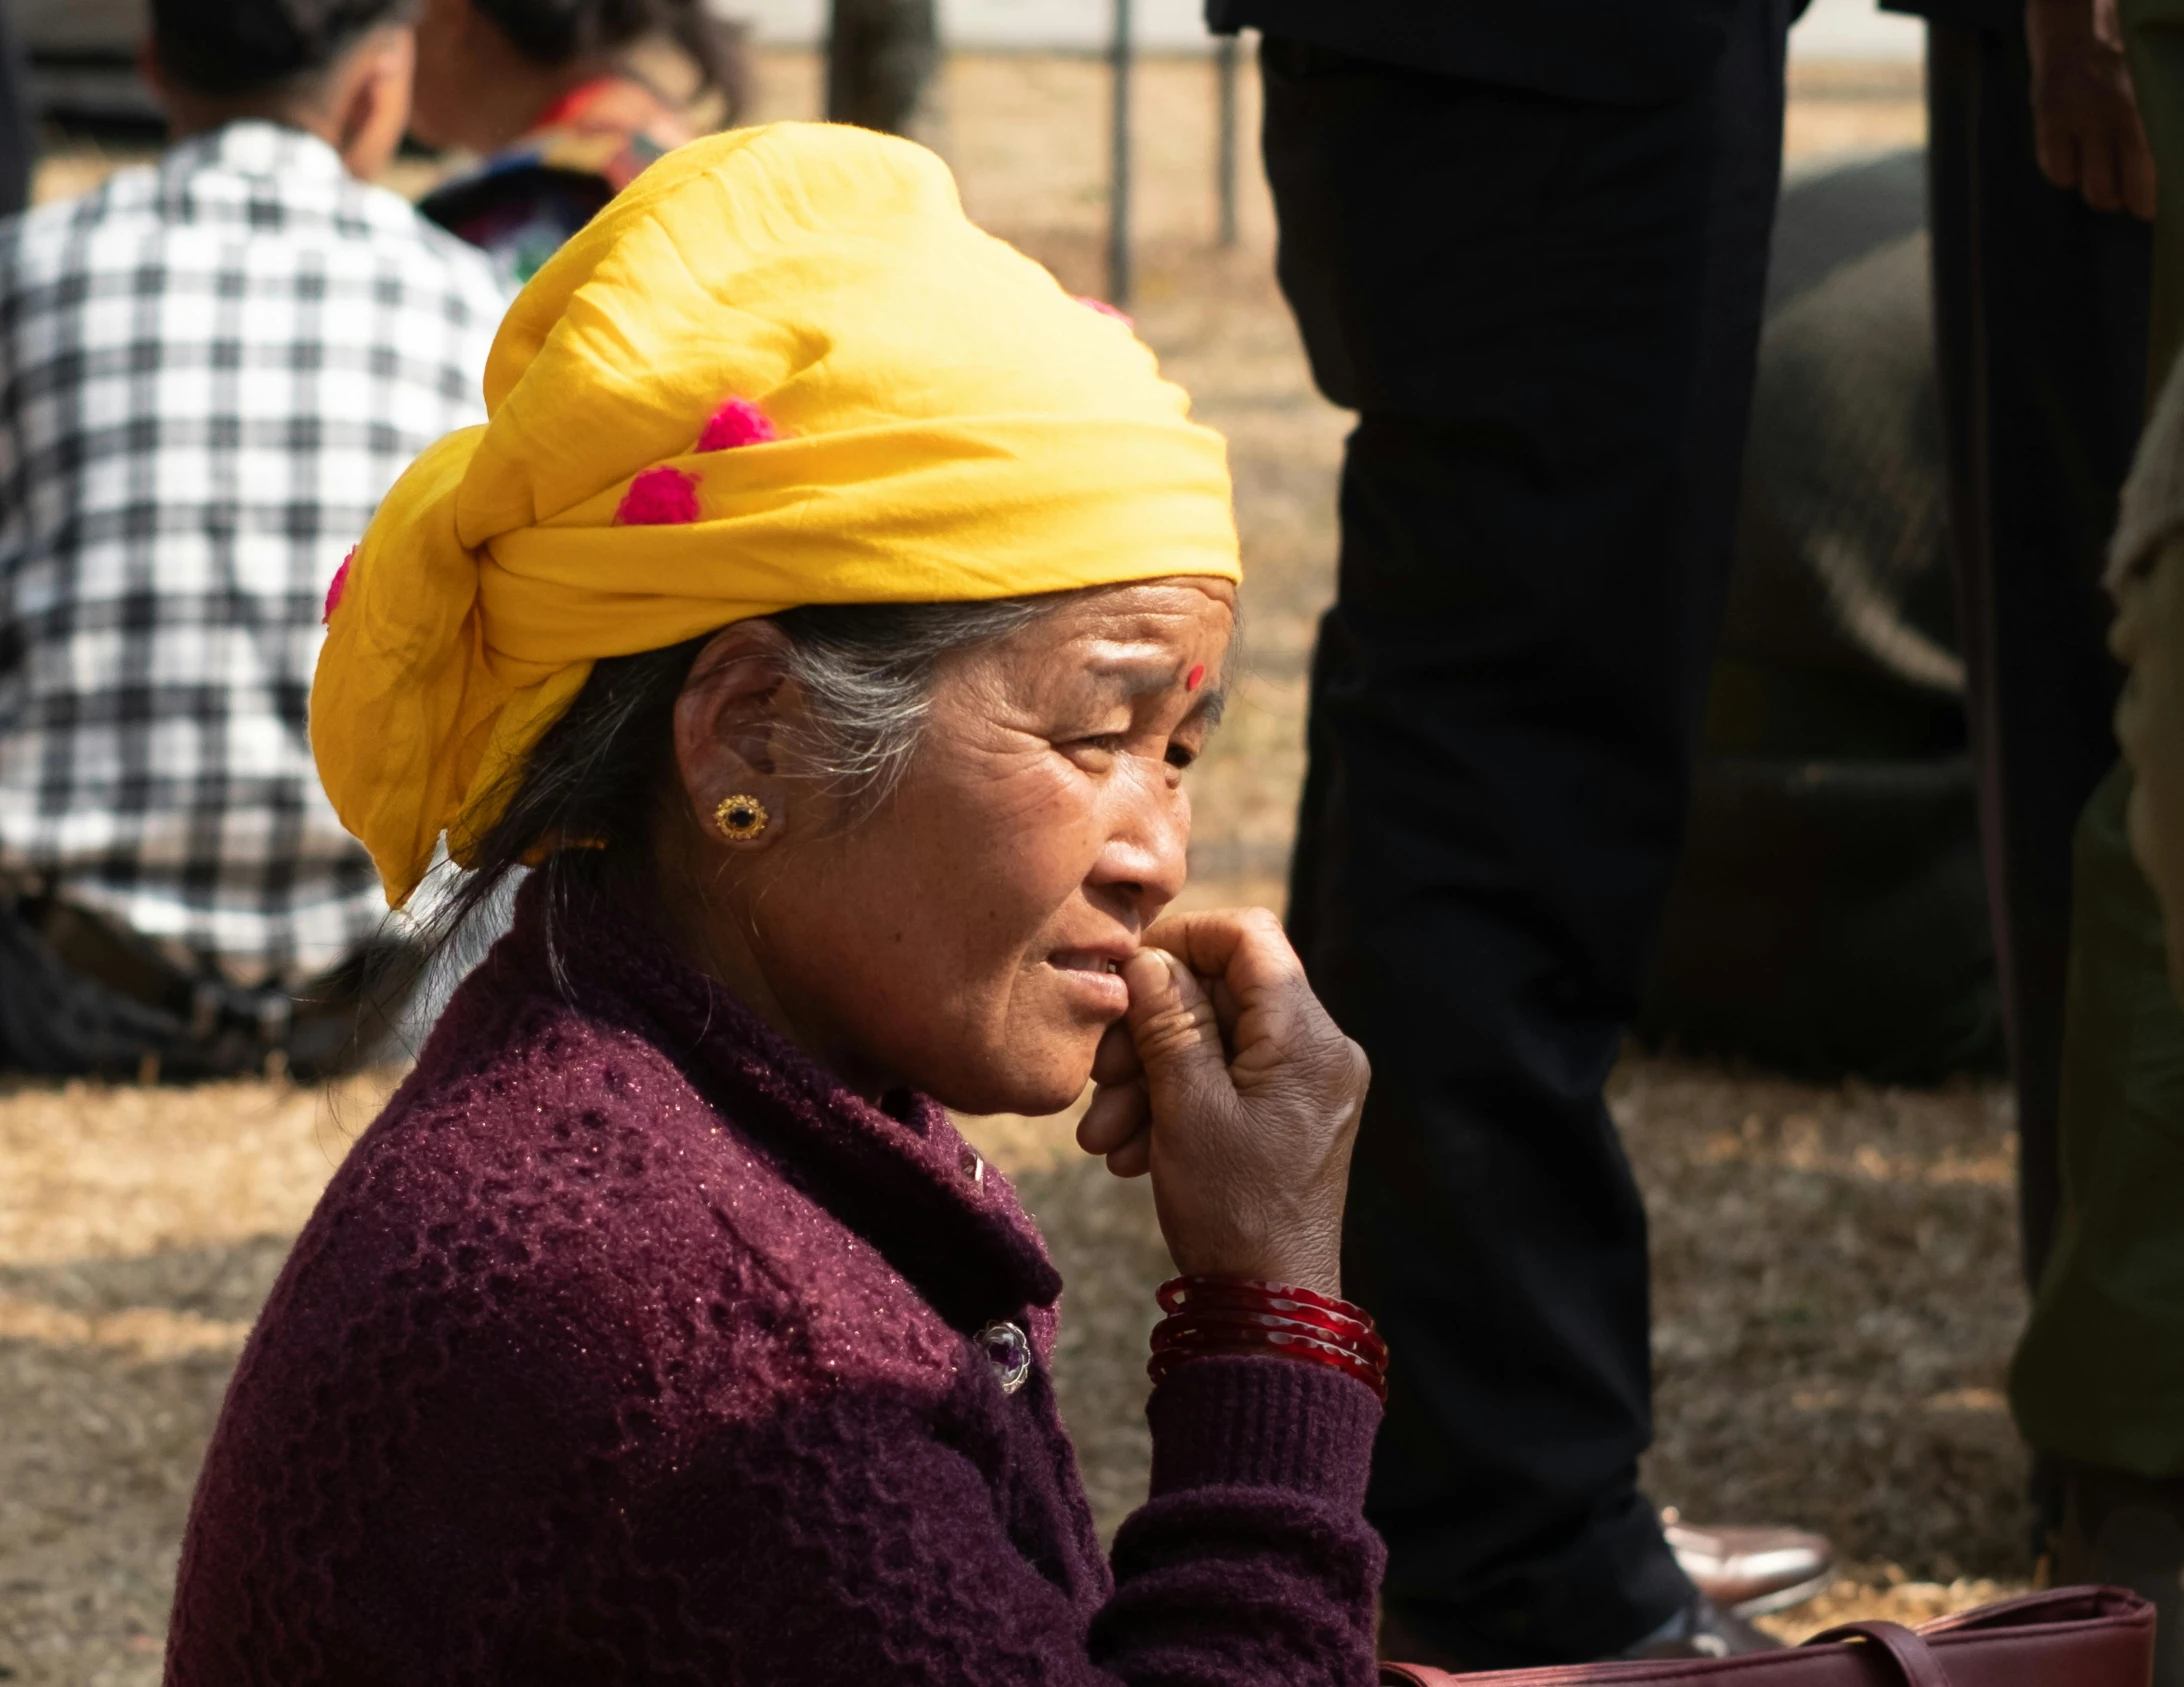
{"points": [[1835, 1289]]}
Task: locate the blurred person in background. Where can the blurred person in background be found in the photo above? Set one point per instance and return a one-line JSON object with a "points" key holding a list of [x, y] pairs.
{"points": [[2097, 1384], [1528, 244], [211, 369], [2039, 186], [2056, 134], [18, 121], [546, 90]]}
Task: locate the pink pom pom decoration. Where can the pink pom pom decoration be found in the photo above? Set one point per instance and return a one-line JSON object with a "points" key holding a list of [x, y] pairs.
{"points": [[339, 584], [1106, 309], [661, 497], [738, 422]]}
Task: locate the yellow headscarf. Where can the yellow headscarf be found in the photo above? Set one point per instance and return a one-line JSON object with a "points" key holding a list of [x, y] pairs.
{"points": [[951, 426]]}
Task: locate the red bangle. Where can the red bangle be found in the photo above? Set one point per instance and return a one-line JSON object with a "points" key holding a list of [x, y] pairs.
{"points": [[1177, 1292], [1263, 1328], [1335, 1327], [1209, 1316], [1190, 1293]]}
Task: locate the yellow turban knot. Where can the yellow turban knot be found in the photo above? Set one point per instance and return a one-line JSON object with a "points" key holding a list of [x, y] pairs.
{"points": [[892, 407]]}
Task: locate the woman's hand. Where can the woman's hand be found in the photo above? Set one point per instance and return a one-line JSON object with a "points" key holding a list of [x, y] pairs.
{"points": [[1230, 1084]]}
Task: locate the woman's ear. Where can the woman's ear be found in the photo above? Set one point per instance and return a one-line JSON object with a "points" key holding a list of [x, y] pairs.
{"points": [[729, 726]]}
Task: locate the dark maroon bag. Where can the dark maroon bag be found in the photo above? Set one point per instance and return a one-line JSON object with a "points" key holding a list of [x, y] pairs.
{"points": [[2069, 1637]]}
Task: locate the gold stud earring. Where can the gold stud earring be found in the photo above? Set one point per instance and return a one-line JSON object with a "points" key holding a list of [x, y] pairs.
{"points": [[740, 818]]}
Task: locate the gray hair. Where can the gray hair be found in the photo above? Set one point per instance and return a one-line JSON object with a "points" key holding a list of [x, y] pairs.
{"points": [[868, 673]]}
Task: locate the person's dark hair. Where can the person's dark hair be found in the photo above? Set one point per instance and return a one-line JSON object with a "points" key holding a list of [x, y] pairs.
{"points": [[581, 808], [557, 32], [233, 49]]}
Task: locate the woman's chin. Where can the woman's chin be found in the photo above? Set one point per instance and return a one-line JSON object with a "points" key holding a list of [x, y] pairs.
{"points": [[1033, 1101], [1035, 1083]]}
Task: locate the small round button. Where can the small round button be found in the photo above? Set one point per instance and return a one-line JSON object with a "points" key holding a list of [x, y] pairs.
{"points": [[1008, 1351]]}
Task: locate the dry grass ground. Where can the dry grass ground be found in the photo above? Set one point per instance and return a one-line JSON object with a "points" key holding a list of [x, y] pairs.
{"points": [[1835, 1281]]}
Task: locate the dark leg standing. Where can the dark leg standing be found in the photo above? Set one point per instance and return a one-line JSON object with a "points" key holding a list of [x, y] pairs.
{"points": [[2040, 307], [1546, 312]]}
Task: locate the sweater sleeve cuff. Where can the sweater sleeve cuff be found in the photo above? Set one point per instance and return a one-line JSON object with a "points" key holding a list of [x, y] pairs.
{"points": [[1268, 1422]]}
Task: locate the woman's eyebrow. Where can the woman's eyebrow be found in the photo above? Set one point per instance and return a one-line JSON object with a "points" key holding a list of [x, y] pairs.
{"points": [[1140, 676], [1133, 676]]}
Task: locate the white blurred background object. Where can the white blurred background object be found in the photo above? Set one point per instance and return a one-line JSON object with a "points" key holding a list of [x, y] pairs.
{"points": [[1830, 29], [1857, 30]]}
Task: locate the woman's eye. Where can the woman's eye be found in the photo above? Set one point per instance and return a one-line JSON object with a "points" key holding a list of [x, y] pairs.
{"points": [[1177, 755]]}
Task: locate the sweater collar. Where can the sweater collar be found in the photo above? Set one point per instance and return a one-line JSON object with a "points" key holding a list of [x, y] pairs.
{"points": [[902, 1177]]}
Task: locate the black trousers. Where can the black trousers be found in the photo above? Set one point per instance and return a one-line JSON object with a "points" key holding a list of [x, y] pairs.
{"points": [[2040, 310], [1546, 313]]}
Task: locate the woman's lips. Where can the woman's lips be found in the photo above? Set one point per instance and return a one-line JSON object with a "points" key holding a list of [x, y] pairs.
{"points": [[1094, 976]]}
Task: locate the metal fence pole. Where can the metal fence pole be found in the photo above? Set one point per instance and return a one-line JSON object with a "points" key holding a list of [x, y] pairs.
{"points": [[1225, 57], [881, 56], [1118, 170]]}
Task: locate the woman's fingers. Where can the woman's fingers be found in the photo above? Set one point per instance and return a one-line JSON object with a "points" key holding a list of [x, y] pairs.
{"points": [[1118, 1127], [1116, 1059], [1253, 976], [1134, 1158], [1117, 1113], [1172, 1022], [1244, 947]]}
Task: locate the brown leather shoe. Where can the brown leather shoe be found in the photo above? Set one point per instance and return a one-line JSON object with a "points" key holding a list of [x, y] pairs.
{"points": [[1750, 1571]]}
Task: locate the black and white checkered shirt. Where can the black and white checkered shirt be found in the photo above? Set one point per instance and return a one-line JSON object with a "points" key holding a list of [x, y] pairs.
{"points": [[211, 370]]}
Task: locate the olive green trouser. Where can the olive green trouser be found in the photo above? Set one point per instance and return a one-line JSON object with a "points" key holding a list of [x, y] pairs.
{"points": [[2099, 1375]]}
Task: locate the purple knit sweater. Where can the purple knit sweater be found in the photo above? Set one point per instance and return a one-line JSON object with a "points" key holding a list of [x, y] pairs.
{"points": [[628, 1346]]}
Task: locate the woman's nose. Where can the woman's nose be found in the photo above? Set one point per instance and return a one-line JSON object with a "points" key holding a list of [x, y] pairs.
{"points": [[1147, 853]]}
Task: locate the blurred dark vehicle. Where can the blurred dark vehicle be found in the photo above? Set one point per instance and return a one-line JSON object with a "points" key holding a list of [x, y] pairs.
{"points": [[1830, 917], [83, 63]]}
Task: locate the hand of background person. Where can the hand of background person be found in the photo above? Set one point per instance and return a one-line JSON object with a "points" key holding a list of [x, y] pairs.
{"points": [[2085, 117], [1231, 1085]]}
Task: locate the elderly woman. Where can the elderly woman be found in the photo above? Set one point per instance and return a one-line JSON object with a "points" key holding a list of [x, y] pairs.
{"points": [[828, 614]]}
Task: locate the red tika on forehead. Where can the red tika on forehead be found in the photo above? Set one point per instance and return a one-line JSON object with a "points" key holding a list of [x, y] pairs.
{"points": [[661, 497]]}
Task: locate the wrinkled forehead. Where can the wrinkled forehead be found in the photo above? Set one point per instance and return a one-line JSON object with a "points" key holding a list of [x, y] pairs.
{"points": [[1155, 615], [1136, 639]]}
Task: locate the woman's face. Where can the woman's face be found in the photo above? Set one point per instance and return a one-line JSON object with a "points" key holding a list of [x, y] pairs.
{"points": [[964, 937]]}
